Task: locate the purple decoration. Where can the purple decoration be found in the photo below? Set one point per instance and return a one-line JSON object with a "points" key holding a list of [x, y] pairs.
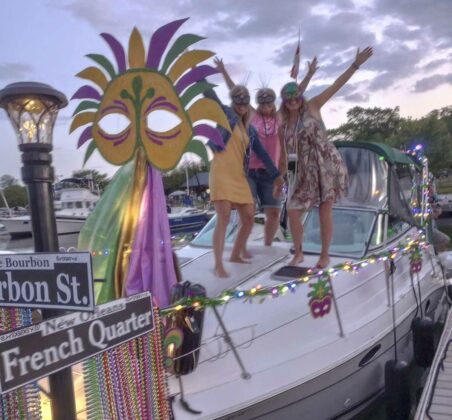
{"points": [[211, 133], [87, 92], [86, 135], [151, 261], [118, 51], [159, 42], [193, 76]]}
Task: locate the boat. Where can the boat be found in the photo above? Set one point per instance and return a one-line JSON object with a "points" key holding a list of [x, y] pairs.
{"points": [[74, 199], [282, 344], [183, 219]]}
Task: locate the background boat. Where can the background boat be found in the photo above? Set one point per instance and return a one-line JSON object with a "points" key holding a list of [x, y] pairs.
{"points": [[74, 199]]}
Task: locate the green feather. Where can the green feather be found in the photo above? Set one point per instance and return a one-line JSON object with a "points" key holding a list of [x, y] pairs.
{"points": [[198, 148], [181, 43], [89, 151], [103, 62], [194, 91], [84, 105]]}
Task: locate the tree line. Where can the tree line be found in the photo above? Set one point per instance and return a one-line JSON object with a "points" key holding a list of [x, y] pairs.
{"points": [[385, 125]]}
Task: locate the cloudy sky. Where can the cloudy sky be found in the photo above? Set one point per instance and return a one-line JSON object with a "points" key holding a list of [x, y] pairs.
{"points": [[46, 41]]}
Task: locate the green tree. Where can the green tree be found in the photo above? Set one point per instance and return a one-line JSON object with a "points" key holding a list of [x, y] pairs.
{"points": [[432, 132], [101, 180], [7, 181], [176, 178], [16, 196], [368, 124]]}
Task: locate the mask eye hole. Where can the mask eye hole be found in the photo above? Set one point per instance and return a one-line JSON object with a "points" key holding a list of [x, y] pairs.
{"points": [[114, 123], [161, 121]]}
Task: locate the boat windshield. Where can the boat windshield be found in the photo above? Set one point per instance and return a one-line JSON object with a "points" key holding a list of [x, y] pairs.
{"points": [[205, 237], [351, 232], [352, 229]]}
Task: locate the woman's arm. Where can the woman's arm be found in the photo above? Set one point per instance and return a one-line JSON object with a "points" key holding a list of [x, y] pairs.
{"points": [[322, 98], [222, 69], [262, 154], [312, 68]]}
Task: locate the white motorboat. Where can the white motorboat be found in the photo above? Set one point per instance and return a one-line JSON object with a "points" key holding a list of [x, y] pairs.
{"points": [[298, 357], [73, 203]]}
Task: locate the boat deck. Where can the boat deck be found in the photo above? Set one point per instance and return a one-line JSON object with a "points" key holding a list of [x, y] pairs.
{"points": [[436, 401]]}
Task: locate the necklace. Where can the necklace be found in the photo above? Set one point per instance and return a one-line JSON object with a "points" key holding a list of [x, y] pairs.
{"points": [[268, 130]]}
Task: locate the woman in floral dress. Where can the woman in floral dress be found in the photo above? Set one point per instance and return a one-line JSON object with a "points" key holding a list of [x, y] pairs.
{"points": [[319, 176]]}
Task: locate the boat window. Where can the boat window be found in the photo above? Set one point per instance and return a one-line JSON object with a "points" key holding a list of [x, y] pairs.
{"points": [[87, 204], [377, 238], [351, 232], [396, 227], [368, 178], [70, 205], [205, 237], [78, 205]]}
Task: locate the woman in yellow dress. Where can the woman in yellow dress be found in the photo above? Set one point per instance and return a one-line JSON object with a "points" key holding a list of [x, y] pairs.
{"points": [[228, 182]]}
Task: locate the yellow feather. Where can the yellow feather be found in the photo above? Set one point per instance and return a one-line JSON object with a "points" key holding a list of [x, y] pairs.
{"points": [[207, 109], [95, 75], [186, 61], [136, 50], [82, 119]]}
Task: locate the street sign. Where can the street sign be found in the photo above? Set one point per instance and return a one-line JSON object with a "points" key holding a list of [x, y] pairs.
{"points": [[34, 352], [47, 280]]}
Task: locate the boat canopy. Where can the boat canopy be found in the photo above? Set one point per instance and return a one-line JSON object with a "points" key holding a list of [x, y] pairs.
{"points": [[381, 177]]}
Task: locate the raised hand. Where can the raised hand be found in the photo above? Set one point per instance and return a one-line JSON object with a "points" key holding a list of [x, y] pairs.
{"points": [[312, 66], [363, 56], [219, 65]]}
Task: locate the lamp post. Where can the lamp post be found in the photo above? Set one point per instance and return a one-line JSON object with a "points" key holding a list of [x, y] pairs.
{"points": [[32, 109]]}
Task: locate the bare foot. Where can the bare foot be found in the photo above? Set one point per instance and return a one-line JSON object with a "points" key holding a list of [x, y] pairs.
{"points": [[239, 260], [246, 255], [220, 272], [297, 259], [323, 262]]}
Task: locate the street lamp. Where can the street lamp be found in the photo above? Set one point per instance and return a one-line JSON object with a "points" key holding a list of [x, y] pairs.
{"points": [[32, 109]]}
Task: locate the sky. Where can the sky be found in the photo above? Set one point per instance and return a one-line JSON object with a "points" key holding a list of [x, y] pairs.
{"points": [[47, 40]]}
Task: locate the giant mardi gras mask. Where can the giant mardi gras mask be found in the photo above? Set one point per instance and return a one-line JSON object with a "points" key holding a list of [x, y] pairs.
{"points": [[152, 98], [156, 112]]}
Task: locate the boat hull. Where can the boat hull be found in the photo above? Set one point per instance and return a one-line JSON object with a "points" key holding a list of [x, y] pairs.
{"points": [[348, 388], [19, 227]]}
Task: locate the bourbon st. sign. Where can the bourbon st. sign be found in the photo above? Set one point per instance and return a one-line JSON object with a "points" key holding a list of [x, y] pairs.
{"points": [[33, 352], [47, 280]]}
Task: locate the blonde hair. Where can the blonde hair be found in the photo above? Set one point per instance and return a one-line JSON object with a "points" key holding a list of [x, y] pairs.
{"points": [[285, 114], [272, 114]]}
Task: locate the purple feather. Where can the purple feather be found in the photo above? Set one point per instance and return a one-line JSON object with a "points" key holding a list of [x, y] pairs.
{"points": [[118, 51], [87, 92], [211, 133], [159, 42], [193, 76], [86, 135]]}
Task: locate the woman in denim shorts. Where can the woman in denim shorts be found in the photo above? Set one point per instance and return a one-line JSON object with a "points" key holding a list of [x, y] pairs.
{"points": [[266, 122]]}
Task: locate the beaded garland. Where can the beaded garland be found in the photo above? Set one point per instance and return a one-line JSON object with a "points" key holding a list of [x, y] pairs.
{"points": [[24, 402], [129, 381]]}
